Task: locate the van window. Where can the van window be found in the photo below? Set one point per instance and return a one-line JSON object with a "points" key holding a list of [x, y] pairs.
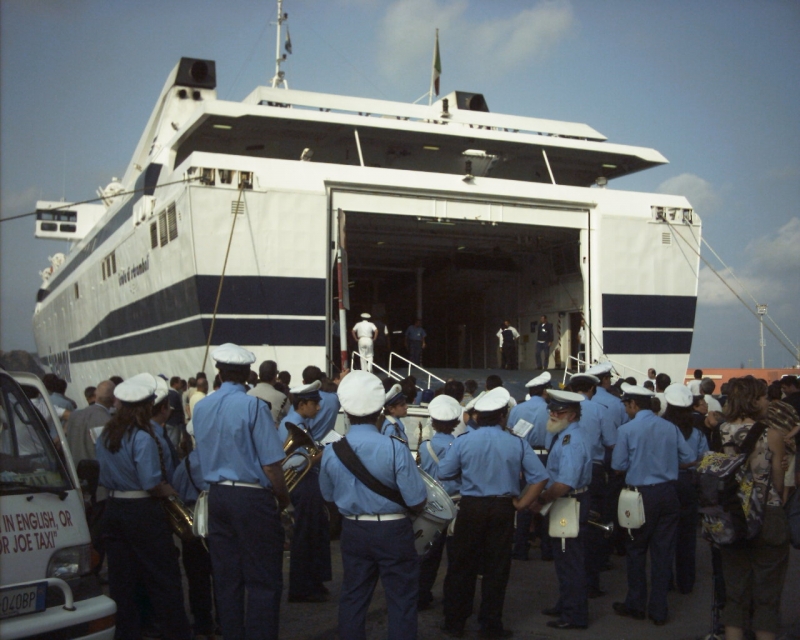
{"points": [[28, 459]]}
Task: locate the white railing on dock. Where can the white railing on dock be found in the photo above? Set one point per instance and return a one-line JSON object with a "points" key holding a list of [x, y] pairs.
{"points": [[620, 369], [425, 372]]}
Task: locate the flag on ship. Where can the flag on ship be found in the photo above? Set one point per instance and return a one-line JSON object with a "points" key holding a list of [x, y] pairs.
{"points": [[437, 65], [288, 44]]}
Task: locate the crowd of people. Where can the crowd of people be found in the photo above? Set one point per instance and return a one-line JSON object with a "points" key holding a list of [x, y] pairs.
{"points": [[505, 462]]}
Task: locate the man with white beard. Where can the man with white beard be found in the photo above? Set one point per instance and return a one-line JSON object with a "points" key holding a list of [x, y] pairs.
{"points": [[569, 464]]}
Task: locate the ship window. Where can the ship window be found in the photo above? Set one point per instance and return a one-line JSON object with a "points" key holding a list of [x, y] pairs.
{"points": [[70, 228], [103, 264], [245, 179], [162, 228], [113, 262], [225, 176], [49, 226], [77, 291], [207, 176], [172, 222], [153, 235]]}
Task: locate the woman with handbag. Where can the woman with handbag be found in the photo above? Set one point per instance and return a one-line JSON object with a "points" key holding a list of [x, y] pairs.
{"points": [[138, 539], [755, 570]]}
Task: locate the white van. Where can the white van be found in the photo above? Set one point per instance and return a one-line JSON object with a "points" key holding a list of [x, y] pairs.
{"points": [[46, 588]]}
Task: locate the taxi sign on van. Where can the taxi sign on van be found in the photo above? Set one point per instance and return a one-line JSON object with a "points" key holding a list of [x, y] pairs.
{"points": [[19, 600]]}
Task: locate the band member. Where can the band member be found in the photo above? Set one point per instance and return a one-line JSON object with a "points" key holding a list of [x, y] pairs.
{"points": [[310, 560], [138, 538], [377, 536], [569, 464], [395, 408], [489, 461], [240, 454], [445, 417], [649, 451]]}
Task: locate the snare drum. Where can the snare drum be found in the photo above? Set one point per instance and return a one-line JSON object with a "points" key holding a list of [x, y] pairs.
{"points": [[433, 520]]}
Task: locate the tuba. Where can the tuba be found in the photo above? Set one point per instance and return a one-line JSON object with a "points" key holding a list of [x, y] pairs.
{"points": [[302, 453], [179, 517]]}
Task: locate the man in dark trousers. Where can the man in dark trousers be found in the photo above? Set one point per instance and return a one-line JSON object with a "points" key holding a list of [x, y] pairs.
{"points": [[508, 338], [544, 340]]}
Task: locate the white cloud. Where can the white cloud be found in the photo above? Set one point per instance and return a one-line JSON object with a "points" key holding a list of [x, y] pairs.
{"points": [[699, 192], [493, 46], [777, 253]]}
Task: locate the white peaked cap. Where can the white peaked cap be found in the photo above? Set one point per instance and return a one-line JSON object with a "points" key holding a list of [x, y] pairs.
{"points": [[635, 390], [539, 380], [493, 400], [392, 393], [136, 389], [233, 354], [600, 370], [445, 408], [162, 389], [678, 395], [361, 393], [366, 316]]}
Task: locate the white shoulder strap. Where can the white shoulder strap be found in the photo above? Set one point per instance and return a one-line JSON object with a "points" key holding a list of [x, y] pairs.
{"points": [[430, 450]]}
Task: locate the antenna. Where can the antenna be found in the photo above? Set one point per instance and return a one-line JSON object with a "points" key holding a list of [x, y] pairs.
{"points": [[279, 79]]}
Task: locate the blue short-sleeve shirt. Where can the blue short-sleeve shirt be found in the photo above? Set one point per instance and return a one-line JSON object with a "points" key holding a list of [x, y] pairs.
{"points": [[650, 450], [136, 466], [529, 420], [489, 461], [613, 404], [184, 484], [570, 459], [394, 427], [236, 436], [386, 459], [598, 427], [325, 420], [440, 443]]}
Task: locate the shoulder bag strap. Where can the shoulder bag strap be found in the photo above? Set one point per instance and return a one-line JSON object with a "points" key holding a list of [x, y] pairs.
{"points": [[749, 443], [430, 450], [189, 473], [354, 465]]}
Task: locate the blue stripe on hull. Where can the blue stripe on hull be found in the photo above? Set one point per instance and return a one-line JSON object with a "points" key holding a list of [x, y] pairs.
{"points": [[650, 342]]}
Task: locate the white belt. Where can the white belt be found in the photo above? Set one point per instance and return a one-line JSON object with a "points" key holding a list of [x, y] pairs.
{"points": [[540, 452], [236, 483], [578, 491], [128, 494], [378, 517]]}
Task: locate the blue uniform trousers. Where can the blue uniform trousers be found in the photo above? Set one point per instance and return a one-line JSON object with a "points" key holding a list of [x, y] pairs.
{"points": [[415, 351], [484, 532], [542, 355], [686, 540], [595, 543], [429, 566], [378, 549], [573, 602], [245, 540], [197, 566], [140, 548], [661, 511], [310, 561]]}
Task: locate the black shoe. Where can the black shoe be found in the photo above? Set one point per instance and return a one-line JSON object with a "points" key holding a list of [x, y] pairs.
{"points": [[658, 623], [314, 597], [594, 592], [552, 611], [495, 633], [451, 633], [564, 624], [621, 609]]}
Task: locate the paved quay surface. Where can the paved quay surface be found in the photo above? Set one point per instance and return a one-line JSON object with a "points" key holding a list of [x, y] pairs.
{"points": [[533, 587]]}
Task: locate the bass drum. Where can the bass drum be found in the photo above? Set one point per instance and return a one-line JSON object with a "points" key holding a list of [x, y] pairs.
{"points": [[433, 520]]}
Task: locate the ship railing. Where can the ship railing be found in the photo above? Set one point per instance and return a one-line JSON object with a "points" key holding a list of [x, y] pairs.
{"points": [[621, 369], [355, 356], [409, 366]]}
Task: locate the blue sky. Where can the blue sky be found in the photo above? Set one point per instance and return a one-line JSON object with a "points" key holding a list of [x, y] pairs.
{"points": [[713, 85]]}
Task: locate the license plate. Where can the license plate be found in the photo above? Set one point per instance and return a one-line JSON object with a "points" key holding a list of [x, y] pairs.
{"points": [[17, 601]]}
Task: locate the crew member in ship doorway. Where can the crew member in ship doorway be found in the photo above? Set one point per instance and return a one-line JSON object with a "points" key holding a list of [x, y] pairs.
{"points": [[365, 333], [544, 340], [508, 336], [415, 341]]}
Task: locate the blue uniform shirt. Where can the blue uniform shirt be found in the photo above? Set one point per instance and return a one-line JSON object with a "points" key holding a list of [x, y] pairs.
{"points": [[387, 460], [697, 443], [570, 459], [650, 449], [135, 466], [415, 333], [181, 482], [236, 436], [170, 455], [599, 429], [394, 427], [613, 404], [534, 412], [489, 461], [325, 420], [296, 419], [440, 443]]}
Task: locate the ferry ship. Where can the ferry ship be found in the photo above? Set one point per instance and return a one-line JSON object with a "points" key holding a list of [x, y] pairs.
{"points": [[249, 222]]}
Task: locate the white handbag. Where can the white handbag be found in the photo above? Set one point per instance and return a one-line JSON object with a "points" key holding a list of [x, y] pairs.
{"points": [[565, 519], [200, 521], [630, 512]]}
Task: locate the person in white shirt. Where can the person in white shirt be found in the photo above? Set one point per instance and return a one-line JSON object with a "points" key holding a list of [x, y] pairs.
{"points": [[365, 333], [707, 387], [694, 385]]}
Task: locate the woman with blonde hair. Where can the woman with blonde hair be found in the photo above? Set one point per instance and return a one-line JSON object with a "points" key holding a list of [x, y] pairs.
{"points": [[755, 570]]}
